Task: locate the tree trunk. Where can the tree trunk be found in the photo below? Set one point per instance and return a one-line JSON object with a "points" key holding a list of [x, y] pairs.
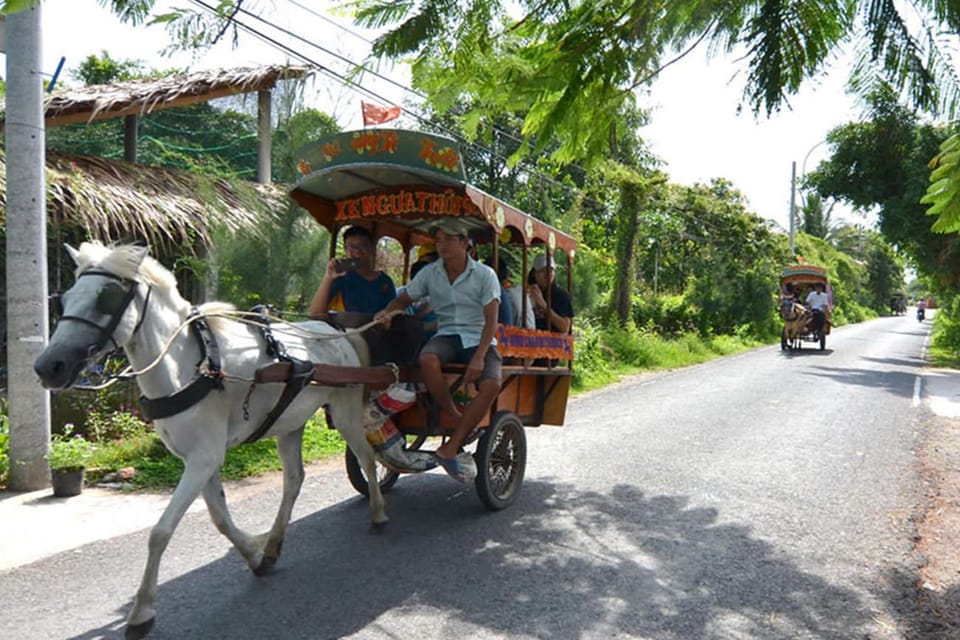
{"points": [[628, 218]]}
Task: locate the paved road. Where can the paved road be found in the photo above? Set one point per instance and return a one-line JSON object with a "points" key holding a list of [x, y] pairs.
{"points": [[765, 495]]}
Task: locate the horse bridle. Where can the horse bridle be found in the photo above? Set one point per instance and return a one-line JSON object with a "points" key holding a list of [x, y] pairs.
{"points": [[112, 301]]}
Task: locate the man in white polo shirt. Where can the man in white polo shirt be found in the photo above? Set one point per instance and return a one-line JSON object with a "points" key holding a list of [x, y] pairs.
{"points": [[465, 295], [818, 301]]}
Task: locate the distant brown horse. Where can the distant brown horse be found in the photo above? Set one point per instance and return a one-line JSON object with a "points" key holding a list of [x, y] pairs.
{"points": [[796, 319]]}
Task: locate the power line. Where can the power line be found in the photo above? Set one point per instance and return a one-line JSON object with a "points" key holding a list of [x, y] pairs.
{"points": [[362, 89], [407, 89], [359, 88]]}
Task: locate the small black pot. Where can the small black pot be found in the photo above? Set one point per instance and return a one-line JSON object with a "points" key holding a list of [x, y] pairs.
{"points": [[67, 483]]}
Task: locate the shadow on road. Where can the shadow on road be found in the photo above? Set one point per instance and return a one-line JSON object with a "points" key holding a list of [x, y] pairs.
{"points": [[896, 382], [559, 563], [812, 351], [923, 613], [897, 362]]}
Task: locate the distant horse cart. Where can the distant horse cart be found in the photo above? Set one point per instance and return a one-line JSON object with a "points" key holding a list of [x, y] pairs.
{"points": [[801, 324], [898, 304]]}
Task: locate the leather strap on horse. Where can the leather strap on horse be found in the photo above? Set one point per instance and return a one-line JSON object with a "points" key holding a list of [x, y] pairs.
{"points": [[332, 375], [300, 374], [208, 378]]}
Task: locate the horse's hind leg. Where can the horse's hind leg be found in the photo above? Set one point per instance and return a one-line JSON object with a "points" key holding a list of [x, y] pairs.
{"points": [[348, 418], [197, 472], [290, 449], [368, 462]]}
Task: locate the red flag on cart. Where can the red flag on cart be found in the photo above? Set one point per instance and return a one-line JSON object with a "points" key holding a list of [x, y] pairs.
{"points": [[375, 114]]}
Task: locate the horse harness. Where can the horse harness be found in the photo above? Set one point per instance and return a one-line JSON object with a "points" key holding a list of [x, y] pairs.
{"points": [[113, 300], [210, 376], [301, 373]]}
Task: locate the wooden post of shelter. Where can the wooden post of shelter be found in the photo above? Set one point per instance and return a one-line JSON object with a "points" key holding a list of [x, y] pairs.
{"points": [[130, 135], [264, 136]]}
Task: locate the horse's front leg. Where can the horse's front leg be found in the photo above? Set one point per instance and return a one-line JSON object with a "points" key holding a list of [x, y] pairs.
{"points": [[248, 546], [290, 449], [197, 472]]}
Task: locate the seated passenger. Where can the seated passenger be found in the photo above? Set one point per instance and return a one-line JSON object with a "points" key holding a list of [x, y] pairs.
{"points": [[361, 289], [788, 293], [818, 301], [559, 316], [506, 314], [421, 309], [466, 297]]}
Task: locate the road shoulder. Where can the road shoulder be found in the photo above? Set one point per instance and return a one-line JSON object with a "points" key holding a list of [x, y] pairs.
{"points": [[938, 529]]}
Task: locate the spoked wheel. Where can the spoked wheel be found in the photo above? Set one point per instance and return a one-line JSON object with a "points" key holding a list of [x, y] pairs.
{"points": [[385, 477], [501, 461]]}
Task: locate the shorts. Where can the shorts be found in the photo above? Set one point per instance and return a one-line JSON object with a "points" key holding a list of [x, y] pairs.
{"points": [[449, 349]]}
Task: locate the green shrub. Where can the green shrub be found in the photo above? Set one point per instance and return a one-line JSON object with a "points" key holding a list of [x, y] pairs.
{"points": [[667, 315], [69, 451], [78, 406], [592, 361], [4, 443], [115, 425], [945, 337]]}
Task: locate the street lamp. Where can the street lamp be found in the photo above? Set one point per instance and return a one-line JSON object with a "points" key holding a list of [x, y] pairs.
{"points": [[793, 193]]}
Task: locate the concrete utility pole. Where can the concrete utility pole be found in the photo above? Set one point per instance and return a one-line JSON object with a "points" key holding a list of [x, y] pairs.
{"points": [[27, 325], [793, 206]]}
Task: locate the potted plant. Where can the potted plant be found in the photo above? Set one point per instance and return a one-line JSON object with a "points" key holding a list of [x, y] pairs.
{"points": [[69, 454]]}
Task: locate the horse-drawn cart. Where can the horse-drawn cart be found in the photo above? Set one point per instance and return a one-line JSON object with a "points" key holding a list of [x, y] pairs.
{"points": [[398, 184], [800, 323], [213, 377]]}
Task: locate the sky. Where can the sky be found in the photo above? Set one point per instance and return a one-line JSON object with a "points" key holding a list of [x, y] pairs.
{"points": [[695, 127]]}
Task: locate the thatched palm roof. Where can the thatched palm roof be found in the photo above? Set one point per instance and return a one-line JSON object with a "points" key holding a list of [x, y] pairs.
{"points": [[137, 97], [111, 199]]}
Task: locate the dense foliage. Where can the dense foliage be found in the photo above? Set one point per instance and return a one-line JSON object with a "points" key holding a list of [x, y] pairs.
{"points": [[882, 164]]}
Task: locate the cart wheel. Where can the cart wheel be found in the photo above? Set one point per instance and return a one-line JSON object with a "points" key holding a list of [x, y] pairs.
{"points": [[386, 477], [823, 341], [501, 461], [783, 339]]}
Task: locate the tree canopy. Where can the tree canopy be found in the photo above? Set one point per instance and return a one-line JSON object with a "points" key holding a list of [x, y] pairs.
{"points": [[882, 164], [572, 66]]}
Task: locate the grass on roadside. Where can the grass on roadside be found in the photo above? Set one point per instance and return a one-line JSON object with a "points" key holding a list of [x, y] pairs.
{"points": [[158, 468]]}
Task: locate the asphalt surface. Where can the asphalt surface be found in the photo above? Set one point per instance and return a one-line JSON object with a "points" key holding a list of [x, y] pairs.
{"points": [[766, 495]]}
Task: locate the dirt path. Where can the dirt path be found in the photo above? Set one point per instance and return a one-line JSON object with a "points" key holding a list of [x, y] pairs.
{"points": [[938, 533]]}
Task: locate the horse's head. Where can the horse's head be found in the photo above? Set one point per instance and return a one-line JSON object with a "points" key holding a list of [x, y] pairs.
{"points": [[788, 310], [95, 311]]}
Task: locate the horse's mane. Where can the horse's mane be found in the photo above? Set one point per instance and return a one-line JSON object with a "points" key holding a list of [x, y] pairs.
{"points": [[127, 261], [131, 262]]}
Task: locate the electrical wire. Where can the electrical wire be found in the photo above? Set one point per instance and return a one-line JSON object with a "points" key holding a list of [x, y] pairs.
{"points": [[359, 88]]}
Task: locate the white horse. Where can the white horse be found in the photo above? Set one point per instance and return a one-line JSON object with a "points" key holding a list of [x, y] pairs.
{"points": [[123, 296]]}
